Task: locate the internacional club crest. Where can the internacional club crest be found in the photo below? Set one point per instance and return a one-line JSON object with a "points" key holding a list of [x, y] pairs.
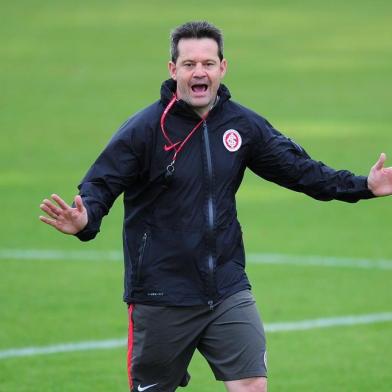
{"points": [[232, 140]]}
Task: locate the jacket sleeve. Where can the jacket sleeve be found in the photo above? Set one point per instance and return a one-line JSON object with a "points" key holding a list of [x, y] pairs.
{"points": [[115, 169], [277, 158]]}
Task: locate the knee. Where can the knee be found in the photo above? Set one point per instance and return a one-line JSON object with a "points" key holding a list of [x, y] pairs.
{"points": [[255, 384], [259, 384]]}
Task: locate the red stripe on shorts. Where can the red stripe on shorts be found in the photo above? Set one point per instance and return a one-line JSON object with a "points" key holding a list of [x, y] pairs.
{"points": [[130, 346]]}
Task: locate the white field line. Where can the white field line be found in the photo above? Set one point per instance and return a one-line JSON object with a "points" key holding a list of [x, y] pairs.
{"points": [[53, 254], [270, 328], [259, 258], [62, 348], [323, 261]]}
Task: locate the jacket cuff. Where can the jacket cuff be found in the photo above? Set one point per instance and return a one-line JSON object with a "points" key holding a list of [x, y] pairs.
{"points": [[89, 232], [86, 234], [364, 192]]}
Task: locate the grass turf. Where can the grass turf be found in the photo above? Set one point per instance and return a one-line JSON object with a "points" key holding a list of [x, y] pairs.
{"points": [[72, 72]]}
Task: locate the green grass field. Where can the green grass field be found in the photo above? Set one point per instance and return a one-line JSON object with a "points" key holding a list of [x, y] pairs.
{"points": [[72, 72]]}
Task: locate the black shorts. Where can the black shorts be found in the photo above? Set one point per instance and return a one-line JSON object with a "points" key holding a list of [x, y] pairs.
{"points": [[162, 340]]}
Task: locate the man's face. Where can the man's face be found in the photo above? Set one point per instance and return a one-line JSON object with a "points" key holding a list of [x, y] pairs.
{"points": [[198, 72]]}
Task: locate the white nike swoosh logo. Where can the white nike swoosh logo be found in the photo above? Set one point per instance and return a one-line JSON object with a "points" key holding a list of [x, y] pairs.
{"points": [[141, 389]]}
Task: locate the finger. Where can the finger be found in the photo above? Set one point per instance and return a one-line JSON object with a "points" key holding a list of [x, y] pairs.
{"points": [[79, 203], [55, 210], [63, 205], [51, 222], [380, 163], [46, 209]]}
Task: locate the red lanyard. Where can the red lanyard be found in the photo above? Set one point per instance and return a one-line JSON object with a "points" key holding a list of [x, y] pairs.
{"points": [[178, 146]]}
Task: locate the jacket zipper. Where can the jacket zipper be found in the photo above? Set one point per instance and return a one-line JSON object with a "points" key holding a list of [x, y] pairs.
{"points": [[211, 217], [141, 256]]}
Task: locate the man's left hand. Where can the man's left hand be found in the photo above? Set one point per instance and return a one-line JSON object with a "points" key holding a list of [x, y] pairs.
{"points": [[380, 178]]}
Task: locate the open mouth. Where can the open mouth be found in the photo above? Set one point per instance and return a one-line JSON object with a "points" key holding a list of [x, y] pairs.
{"points": [[199, 88]]}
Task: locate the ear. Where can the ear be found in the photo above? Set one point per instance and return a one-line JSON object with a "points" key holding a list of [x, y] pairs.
{"points": [[223, 67], [172, 70]]}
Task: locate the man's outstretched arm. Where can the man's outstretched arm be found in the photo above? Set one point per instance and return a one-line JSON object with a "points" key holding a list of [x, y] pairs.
{"points": [[276, 158], [64, 218], [117, 167], [380, 178]]}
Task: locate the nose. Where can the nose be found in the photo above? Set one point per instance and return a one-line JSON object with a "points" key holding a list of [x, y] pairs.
{"points": [[199, 71]]}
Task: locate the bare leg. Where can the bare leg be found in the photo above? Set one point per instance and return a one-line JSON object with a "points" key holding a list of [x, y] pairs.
{"points": [[254, 384]]}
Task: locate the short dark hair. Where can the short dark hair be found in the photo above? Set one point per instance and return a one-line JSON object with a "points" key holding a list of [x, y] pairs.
{"points": [[199, 29]]}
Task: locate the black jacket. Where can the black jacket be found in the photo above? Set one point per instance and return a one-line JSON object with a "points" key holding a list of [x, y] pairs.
{"points": [[182, 240]]}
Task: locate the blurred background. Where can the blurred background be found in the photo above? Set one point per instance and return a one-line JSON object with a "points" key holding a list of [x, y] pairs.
{"points": [[72, 72]]}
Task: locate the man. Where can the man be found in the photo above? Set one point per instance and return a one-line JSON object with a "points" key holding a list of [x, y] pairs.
{"points": [[179, 163]]}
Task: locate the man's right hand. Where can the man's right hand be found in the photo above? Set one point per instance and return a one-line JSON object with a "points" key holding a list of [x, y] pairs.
{"points": [[64, 218]]}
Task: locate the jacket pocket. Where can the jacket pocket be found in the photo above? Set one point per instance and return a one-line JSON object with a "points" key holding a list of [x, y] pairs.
{"points": [[142, 249]]}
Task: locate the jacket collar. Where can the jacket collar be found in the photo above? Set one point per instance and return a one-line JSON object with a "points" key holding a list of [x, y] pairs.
{"points": [[169, 87]]}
